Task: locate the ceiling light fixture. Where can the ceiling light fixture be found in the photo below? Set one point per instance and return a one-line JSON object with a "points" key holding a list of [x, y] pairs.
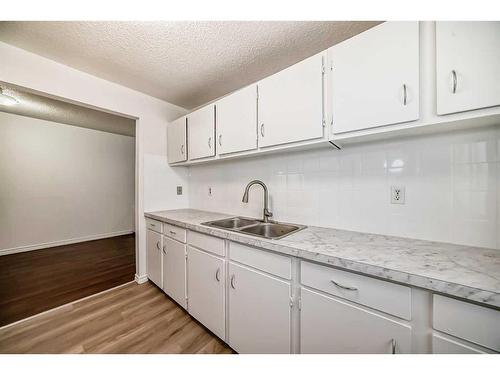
{"points": [[7, 99]]}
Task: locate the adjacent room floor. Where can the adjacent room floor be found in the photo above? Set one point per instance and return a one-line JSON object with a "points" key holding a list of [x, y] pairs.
{"points": [[128, 319], [37, 281]]}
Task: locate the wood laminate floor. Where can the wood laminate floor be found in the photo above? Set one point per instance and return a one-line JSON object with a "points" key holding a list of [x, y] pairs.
{"points": [[36, 281], [129, 319]]}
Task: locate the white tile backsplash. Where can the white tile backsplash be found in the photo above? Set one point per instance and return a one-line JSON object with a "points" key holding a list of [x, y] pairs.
{"points": [[451, 181]]}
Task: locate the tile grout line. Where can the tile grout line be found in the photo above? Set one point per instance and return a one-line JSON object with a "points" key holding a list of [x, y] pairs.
{"points": [[66, 304]]}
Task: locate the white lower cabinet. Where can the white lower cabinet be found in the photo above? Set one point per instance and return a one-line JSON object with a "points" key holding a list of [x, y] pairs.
{"points": [[259, 312], [444, 345], [154, 257], [254, 300], [476, 324], [205, 280], [328, 325], [174, 270]]}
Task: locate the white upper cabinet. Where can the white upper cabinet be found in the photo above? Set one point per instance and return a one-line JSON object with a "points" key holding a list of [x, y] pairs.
{"points": [[201, 133], [375, 77], [176, 141], [467, 65], [237, 121], [291, 104]]}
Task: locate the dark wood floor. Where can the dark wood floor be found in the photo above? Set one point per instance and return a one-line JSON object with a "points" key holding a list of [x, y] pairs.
{"points": [[128, 319], [36, 281]]}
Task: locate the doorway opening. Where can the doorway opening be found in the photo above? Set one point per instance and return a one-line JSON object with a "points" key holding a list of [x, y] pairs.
{"points": [[67, 202]]}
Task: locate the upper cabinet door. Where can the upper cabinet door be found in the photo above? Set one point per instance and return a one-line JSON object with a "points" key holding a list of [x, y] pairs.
{"points": [[375, 77], [237, 121], [201, 133], [291, 104], [176, 141], [467, 65]]}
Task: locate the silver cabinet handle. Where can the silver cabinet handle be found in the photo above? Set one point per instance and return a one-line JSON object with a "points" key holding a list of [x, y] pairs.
{"points": [[217, 275], [454, 75], [343, 286], [164, 251], [404, 94], [232, 282], [220, 139], [172, 232], [182, 149], [158, 245], [393, 346], [209, 142], [262, 129]]}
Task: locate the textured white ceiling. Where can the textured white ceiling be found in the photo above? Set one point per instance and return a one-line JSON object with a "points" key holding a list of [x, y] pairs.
{"points": [[184, 63], [41, 107]]}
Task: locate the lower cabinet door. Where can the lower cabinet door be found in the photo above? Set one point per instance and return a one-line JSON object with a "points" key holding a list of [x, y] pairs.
{"points": [[205, 284], [174, 270], [154, 257], [330, 326], [444, 345], [259, 312]]}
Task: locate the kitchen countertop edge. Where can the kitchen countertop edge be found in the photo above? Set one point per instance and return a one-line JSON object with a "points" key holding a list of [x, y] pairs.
{"points": [[481, 296]]}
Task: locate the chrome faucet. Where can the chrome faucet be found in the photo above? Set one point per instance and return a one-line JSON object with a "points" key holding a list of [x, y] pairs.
{"points": [[267, 213]]}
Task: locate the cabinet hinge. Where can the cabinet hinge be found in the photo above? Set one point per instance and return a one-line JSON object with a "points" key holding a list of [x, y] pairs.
{"points": [[186, 256], [300, 303], [291, 301], [324, 123]]}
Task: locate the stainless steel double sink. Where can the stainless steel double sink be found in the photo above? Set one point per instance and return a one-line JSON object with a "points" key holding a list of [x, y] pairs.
{"points": [[254, 227]]}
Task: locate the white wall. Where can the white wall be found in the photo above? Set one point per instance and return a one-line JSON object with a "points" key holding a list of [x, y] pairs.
{"points": [[62, 183], [29, 70], [452, 186]]}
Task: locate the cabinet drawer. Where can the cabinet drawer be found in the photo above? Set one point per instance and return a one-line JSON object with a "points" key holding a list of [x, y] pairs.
{"points": [[174, 232], [470, 322], [154, 225], [208, 243], [381, 295], [275, 264]]}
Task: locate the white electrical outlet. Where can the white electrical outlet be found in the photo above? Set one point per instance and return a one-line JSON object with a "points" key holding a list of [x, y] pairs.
{"points": [[397, 194]]}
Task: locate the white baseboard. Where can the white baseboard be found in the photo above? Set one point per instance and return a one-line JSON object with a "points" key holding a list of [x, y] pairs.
{"points": [[21, 249], [141, 279]]}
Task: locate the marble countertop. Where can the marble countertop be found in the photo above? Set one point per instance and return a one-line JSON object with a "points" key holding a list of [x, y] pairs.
{"points": [[461, 271]]}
